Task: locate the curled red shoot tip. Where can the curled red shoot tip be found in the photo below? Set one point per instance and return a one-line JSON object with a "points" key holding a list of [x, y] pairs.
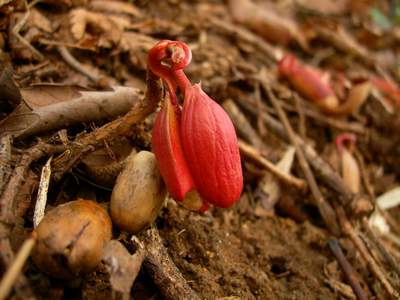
{"points": [[167, 60], [345, 141]]}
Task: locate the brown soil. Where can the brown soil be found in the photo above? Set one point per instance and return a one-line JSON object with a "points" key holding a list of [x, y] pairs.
{"points": [[227, 254], [254, 249]]}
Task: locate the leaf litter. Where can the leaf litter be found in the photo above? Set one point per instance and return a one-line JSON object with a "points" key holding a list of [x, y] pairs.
{"points": [[273, 244]]}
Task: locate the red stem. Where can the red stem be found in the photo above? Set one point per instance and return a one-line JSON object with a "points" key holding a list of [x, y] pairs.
{"points": [[343, 138]]}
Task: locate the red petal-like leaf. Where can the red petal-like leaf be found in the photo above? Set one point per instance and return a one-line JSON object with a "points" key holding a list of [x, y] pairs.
{"points": [[168, 151], [210, 147], [307, 82]]}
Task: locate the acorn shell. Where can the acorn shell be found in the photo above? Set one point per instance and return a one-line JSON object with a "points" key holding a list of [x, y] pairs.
{"points": [[70, 239]]}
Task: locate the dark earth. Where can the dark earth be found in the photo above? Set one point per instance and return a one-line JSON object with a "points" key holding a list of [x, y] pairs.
{"points": [[256, 249]]}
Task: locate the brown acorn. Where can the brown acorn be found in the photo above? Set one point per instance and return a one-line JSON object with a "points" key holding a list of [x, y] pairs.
{"points": [[70, 239], [138, 194]]}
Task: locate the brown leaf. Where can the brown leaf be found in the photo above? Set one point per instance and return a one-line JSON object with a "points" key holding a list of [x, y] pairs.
{"points": [[267, 23], [341, 39], [38, 20], [109, 28], [31, 26], [43, 95], [323, 7], [116, 7], [10, 95], [355, 99], [269, 187], [122, 266], [132, 41]]}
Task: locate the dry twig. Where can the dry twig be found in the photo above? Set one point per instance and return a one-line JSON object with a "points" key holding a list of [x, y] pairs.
{"points": [[325, 209], [14, 270], [374, 267], [7, 217], [247, 36], [252, 153], [322, 168], [76, 65], [18, 27], [302, 117], [242, 125], [348, 270], [382, 250], [84, 106], [324, 119], [42, 194], [89, 142], [163, 270]]}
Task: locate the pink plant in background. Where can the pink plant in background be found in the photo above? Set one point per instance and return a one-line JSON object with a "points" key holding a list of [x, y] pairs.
{"points": [[388, 89], [196, 146], [308, 82]]}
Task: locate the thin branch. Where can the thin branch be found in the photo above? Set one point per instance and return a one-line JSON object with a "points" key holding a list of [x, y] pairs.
{"points": [[252, 153], [348, 270], [243, 125], [246, 35], [311, 113], [321, 167], [325, 209], [12, 188], [163, 270], [373, 266], [7, 214], [18, 27], [382, 250], [112, 130], [15, 268], [75, 64]]}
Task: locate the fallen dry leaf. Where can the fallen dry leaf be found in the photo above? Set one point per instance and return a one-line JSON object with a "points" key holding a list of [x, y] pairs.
{"points": [[269, 187], [341, 39], [132, 41], [115, 7], [267, 23], [388, 89], [25, 29], [122, 267], [357, 96], [387, 200], [109, 28], [40, 21], [323, 7]]}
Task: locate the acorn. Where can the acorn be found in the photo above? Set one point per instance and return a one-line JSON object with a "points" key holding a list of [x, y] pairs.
{"points": [[138, 194], [70, 239]]}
